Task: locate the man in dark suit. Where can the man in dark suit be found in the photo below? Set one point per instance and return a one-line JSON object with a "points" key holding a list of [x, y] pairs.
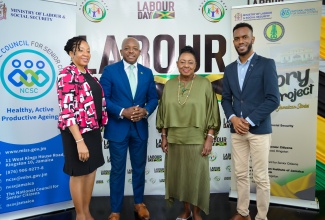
{"points": [[250, 94], [131, 96]]}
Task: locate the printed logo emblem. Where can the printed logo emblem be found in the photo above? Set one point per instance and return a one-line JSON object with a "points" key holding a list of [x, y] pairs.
{"points": [[154, 158], [238, 17], [156, 10], [3, 10], [226, 123], [212, 156], [274, 31], [152, 180], [285, 13], [105, 172], [94, 11], [220, 141], [213, 11], [159, 170], [214, 169], [28, 78], [227, 156]]}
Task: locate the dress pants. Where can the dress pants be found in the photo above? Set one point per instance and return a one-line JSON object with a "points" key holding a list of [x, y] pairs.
{"points": [[118, 154], [257, 147]]}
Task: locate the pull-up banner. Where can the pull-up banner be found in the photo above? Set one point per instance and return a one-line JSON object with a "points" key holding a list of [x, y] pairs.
{"points": [[289, 33], [33, 34]]}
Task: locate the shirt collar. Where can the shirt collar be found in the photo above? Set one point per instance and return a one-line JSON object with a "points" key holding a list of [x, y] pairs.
{"points": [[247, 61], [126, 65]]}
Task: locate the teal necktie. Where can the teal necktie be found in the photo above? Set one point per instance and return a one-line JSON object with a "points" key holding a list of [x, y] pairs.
{"points": [[132, 80]]}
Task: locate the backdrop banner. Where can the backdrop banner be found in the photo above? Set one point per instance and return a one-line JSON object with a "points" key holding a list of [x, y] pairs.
{"points": [[33, 34], [292, 164], [163, 27]]}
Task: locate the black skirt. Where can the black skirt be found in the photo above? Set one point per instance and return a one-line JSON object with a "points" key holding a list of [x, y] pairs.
{"points": [[72, 165]]}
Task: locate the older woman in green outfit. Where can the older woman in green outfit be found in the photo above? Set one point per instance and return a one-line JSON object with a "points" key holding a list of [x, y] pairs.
{"points": [[188, 119]]}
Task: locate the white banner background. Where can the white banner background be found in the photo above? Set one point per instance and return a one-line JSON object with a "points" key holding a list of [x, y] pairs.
{"points": [[204, 25]]}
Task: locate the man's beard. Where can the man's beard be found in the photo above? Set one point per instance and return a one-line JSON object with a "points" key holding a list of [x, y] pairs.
{"points": [[249, 48]]}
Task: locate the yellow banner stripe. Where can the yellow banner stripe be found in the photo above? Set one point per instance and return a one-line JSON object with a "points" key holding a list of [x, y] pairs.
{"points": [[320, 152], [291, 188]]}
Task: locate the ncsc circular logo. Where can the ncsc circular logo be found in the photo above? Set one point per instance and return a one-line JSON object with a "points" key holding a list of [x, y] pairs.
{"points": [[285, 13], [27, 74], [94, 11], [213, 11], [212, 156], [274, 31]]}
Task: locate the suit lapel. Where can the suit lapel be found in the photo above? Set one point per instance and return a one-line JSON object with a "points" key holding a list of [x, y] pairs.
{"points": [[250, 70], [141, 76], [124, 79], [235, 71]]}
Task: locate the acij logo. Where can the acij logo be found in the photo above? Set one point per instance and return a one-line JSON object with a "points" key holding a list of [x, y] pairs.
{"points": [[213, 11], [27, 74], [94, 11], [274, 31]]}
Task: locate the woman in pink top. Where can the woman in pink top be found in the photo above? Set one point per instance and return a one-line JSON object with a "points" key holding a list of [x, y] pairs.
{"points": [[82, 115]]}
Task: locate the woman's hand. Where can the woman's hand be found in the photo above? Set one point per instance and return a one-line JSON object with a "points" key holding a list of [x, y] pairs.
{"points": [[207, 146], [164, 144], [82, 151]]}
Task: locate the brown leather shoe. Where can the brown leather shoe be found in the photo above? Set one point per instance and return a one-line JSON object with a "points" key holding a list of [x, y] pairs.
{"points": [[142, 211], [238, 216], [114, 216]]}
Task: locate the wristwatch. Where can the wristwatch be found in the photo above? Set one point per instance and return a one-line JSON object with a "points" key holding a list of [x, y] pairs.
{"points": [[147, 114]]}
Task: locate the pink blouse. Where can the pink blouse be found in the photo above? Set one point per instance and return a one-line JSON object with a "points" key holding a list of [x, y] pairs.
{"points": [[76, 102]]}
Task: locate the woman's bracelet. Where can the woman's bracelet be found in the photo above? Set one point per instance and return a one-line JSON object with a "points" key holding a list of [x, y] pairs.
{"points": [[79, 140], [163, 134], [211, 135]]}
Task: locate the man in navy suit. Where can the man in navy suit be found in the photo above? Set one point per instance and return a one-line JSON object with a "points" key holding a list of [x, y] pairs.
{"points": [[250, 94], [130, 100]]}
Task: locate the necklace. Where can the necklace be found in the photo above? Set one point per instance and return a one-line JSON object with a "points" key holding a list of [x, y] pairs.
{"points": [[183, 90]]}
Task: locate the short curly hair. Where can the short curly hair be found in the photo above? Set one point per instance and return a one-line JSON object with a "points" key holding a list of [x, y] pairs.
{"points": [[243, 24], [187, 49]]}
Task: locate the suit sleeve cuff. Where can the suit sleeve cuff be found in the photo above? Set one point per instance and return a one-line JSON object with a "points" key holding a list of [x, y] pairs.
{"points": [[121, 116], [250, 121]]}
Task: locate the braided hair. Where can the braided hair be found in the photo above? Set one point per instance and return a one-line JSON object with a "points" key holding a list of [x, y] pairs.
{"points": [[73, 44]]}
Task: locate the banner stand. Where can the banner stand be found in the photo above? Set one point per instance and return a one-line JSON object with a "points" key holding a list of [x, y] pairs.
{"points": [[37, 210], [283, 201]]}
